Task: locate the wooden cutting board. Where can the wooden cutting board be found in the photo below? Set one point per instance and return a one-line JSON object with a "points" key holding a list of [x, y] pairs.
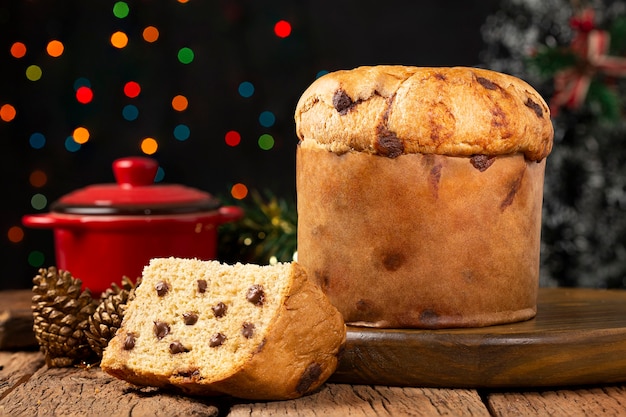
{"points": [[578, 337]]}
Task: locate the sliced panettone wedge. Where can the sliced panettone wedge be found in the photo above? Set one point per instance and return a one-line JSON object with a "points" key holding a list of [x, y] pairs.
{"points": [[207, 328]]}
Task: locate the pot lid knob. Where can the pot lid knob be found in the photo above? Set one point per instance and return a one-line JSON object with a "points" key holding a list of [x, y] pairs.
{"points": [[135, 171]]}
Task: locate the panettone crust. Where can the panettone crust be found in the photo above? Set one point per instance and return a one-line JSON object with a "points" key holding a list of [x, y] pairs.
{"points": [[394, 110]]}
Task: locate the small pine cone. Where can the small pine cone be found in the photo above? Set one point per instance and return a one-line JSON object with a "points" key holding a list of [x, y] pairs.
{"points": [[61, 314], [107, 318]]}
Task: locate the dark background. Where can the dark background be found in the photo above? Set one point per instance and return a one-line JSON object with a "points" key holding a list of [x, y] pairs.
{"points": [[233, 41]]}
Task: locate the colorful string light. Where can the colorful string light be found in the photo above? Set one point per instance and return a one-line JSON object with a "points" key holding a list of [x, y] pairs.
{"points": [[232, 138], [84, 95], [149, 146], [282, 29], [7, 112], [132, 89], [246, 89], [18, 50]]}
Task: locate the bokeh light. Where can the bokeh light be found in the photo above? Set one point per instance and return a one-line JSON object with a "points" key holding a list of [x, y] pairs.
{"points": [[266, 142], [119, 40], [18, 50], [160, 174], [232, 138], [84, 95], [130, 112], [132, 89], [15, 234], [185, 55], [7, 112], [149, 146], [267, 119], [37, 140], [34, 72], [38, 178], [282, 28], [182, 132], [180, 103], [246, 89], [120, 9], [36, 259], [81, 82], [321, 73], [71, 145], [150, 34], [239, 191], [81, 135], [55, 48], [38, 201]]}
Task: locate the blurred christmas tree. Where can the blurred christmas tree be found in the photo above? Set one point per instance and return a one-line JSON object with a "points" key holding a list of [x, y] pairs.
{"points": [[573, 53]]}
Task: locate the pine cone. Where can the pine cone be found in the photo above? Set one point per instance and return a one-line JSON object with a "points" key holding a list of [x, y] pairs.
{"points": [[107, 318], [61, 314]]}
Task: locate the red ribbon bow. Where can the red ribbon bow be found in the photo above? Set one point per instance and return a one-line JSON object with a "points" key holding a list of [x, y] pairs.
{"points": [[591, 46]]}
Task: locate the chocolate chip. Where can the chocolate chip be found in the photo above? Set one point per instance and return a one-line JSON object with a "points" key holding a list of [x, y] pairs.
{"points": [[202, 286], [193, 373], [219, 310], [393, 261], [482, 162], [309, 376], [161, 288], [389, 145], [440, 76], [342, 102], [217, 339], [190, 318], [177, 347], [256, 295], [535, 107], [161, 329], [247, 330], [429, 317], [488, 84], [129, 341]]}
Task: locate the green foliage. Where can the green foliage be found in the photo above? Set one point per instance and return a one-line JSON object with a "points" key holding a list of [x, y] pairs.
{"points": [[267, 233], [549, 61], [604, 100], [618, 36]]}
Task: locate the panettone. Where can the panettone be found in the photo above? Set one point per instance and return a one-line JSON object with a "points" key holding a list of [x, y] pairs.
{"points": [[419, 194], [207, 328]]}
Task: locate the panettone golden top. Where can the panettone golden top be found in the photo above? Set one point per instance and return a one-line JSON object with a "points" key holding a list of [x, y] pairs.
{"points": [[395, 110]]}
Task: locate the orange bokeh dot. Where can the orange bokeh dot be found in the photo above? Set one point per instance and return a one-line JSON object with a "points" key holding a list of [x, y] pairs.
{"points": [[55, 48], [149, 146], [119, 40], [150, 34], [80, 135], [38, 178], [18, 50], [7, 112], [180, 103], [239, 191], [15, 234]]}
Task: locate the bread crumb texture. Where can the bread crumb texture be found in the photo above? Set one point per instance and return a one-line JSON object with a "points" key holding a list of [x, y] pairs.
{"points": [[203, 325], [395, 110]]}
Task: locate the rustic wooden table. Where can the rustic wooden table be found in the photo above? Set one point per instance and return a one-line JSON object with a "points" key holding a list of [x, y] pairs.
{"points": [[29, 388]]}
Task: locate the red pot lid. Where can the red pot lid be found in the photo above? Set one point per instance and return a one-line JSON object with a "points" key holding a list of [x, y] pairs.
{"points": [[135, 194]]}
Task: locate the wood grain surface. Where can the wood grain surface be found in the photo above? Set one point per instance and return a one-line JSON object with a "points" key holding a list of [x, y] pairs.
{"points": [[578, 337], [16, 319]]}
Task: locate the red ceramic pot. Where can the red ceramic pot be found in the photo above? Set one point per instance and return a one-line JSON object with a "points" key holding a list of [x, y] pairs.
{"points": [[104, 232]]}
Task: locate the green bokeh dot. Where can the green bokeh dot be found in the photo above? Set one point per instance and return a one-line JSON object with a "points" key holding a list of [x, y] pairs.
{"points": [[120, 9], [185, 55], [266, 142], [36, 259]]}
